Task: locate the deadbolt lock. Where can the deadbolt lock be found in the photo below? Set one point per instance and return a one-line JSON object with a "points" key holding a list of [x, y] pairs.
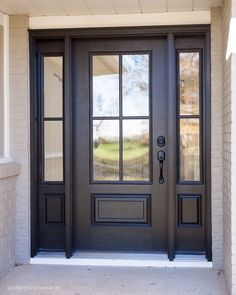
{"points": [[161, 141]]}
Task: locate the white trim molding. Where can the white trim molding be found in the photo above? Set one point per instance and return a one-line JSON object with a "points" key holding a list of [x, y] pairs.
{"points": [[120, 20], [4, 22], [6, 87], [92, 258], [231, 46]]}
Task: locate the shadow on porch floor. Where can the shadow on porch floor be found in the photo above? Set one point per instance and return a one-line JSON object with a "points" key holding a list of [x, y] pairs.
{"points": [[83, 280]]}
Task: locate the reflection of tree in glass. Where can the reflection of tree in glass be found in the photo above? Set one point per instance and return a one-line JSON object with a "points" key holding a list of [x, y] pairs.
{"points": [[189, 83], [95, 137], [106, 149], [136, 149], [189, 149], [135, 70]]}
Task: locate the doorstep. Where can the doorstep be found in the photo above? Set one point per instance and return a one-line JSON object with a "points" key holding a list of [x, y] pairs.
{"points": [[95, 258]]}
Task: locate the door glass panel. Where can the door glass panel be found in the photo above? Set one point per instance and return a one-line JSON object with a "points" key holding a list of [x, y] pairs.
{"points": [[135, 84], [106, 85], [53, 151], [105, 150], [53, 86], [189, 83], [189, 150], [136, 150]]}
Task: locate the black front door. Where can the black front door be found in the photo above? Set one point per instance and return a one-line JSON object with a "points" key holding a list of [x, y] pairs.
{"points": [[120, 140], [121, 110]]}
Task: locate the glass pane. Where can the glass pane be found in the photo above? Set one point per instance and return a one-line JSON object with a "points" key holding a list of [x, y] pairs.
{"points": [[106, 150], [135, 80], [53, 151], [189, 83], [53, 86], [136, 150], [189, 150], [106, 85]]}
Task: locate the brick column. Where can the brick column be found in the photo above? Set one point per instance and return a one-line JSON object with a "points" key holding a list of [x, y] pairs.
{"points": [[8, 173], [216, 138], [20, 128]]}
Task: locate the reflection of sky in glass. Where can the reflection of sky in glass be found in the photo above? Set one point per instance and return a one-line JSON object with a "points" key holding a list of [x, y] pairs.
{"points": [[135, 128], [106, 85], [135, 85], [107, 129], [135, 70]]}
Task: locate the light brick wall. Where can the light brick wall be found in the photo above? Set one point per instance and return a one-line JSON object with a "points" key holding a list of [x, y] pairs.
{"points": [[233, 155], [8, 173], [216, 138], [20, 127], [229, 151], [233, 167]]}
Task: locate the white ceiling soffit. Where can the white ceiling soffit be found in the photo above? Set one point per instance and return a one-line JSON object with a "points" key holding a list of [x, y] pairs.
{"points": [[102, 7], [121, 20]]}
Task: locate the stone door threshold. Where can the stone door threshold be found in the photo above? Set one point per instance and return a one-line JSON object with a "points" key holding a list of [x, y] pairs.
{"points": [[90, 258]]}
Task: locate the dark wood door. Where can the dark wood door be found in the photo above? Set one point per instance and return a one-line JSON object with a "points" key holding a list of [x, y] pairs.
{"points": [[121, 109]]}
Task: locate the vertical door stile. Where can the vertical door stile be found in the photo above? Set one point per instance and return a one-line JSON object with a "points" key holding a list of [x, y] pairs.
{"points": [[171, 147], [68, 149], [207, 137]]}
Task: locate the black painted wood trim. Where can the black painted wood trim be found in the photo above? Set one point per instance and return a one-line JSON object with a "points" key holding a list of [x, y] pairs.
{"points": [[33, 155], [143, 31]]}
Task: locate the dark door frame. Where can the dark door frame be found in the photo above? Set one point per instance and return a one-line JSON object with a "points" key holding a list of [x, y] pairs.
{"points": [[67, 35]]}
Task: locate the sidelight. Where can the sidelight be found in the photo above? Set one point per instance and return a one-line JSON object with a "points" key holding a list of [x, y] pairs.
{"points": [[53, 86], [53, 149], [53, 118], [120, 117], [189, 83], [189, 149], [189, 116]]}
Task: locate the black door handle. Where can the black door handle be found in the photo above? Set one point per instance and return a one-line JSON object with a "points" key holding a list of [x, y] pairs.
{"points": [[161, 157]]}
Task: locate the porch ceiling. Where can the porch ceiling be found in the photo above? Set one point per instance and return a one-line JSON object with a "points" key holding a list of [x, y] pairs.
{"points": [[102, 7]]}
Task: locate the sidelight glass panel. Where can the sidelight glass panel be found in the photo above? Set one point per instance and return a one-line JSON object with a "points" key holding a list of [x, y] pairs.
{"points": [[53, 151], [189, 83], [136, 149], [105, 150], [53, 86], [189, 150], [135, 85], [106, 85]]}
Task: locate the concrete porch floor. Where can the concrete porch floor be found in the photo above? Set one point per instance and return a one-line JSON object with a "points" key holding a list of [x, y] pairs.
{"points": [[84, 280]]}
